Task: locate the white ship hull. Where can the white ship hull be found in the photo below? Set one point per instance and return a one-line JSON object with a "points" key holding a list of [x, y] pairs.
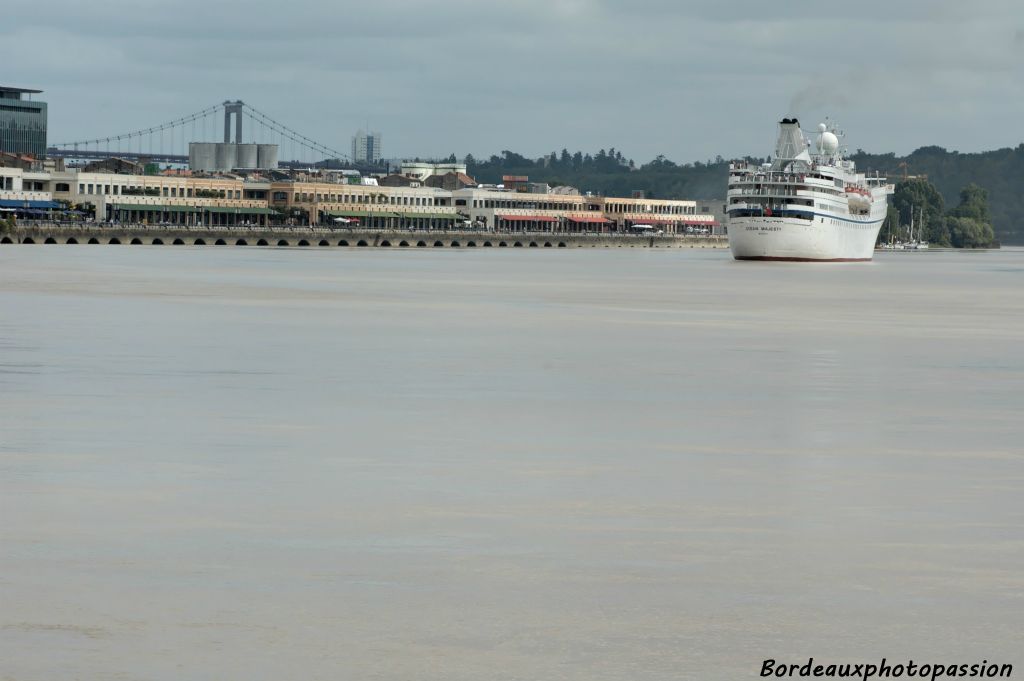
{"points": [[783, 238]]}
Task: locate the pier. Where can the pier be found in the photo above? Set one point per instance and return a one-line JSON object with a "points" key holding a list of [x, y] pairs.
{"points": [[287, 237]]}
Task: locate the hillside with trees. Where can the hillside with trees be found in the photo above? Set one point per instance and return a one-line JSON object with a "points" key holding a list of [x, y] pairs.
{"points": [[1000, 173], [968, 225]]}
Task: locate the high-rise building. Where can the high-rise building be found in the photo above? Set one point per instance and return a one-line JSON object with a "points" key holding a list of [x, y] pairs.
{"points": [[366, 147], [22, 122]]}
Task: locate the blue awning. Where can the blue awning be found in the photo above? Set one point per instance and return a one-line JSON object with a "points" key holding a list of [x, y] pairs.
{"points": [[39, 205]]}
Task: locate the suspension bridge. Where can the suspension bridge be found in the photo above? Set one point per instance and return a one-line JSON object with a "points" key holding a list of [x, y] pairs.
{"points": [[168, 142]]}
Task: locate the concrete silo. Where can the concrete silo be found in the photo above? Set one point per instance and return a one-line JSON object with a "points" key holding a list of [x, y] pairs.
{"points": [[267, 156], [202, 156], [246, 156], [226, 156]]}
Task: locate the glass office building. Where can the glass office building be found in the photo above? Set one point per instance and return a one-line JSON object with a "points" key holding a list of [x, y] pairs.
{"points": [[22, 122]]}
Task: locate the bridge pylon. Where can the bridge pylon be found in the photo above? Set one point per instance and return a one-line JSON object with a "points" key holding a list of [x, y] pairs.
{"points": [[233, 108]]}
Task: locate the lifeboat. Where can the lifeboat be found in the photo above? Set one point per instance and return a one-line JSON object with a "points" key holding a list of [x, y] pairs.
{"points": [[859, 198]]}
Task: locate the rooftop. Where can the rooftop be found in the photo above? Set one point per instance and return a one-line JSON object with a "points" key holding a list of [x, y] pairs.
{"points": [[19, 90]]}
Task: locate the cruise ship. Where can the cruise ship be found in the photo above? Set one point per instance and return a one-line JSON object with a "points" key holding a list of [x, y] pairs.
{"points": [[808, 204]]}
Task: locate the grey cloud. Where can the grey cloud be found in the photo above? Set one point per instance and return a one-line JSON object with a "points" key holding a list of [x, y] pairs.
{"points": [[690, 80]]}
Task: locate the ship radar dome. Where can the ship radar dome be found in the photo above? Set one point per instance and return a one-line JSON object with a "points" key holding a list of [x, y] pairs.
{"points": [[829, 143], [822, 127]]}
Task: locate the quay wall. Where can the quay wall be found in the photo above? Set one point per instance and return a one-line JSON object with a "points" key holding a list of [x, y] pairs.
{"points": [[152, 235]]}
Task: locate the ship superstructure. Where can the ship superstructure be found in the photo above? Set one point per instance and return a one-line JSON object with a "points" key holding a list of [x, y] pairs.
{"points": [[808, 203]]}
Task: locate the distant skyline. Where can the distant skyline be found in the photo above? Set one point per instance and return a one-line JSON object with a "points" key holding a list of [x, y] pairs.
{"points": [[687, 80]]}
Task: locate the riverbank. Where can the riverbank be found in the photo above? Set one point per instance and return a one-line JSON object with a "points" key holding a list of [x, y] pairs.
{"points": [[180, 235]]}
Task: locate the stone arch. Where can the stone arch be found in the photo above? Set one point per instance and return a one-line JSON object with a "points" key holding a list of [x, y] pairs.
{"points": [[561, 244], [487, 244], [438, 244], [282, 242], [421, 244], [5, 240], [403, 244], [343, 243], [303, 242], [158, 242], [72, 240], [136, 241], [533, 244], [547, 244], [27, 240], [178, 242], [220, 242], [385, 243], [198, 242], [470, 244], [262, 242], [241, 242], [455, 244], [502, 244], [114, 240], [324, 242], [518, 244], [361, 242], [50, 240]]}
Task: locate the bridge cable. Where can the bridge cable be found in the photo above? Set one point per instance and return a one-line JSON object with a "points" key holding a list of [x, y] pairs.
{"points": [[145, 131], [294, 136]]}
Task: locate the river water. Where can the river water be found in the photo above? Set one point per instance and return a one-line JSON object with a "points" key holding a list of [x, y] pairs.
{"points": [[264, 464]]}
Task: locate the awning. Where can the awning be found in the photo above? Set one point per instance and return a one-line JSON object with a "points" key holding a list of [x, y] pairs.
{"points": [[599, 221], [156, 208], [527, 218], [434, 216], [238, 210], [39, 205], [362, 214], [138, 206]]}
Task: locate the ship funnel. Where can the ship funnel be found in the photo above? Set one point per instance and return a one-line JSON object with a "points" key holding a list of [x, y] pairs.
{"points": [[791, 145]]}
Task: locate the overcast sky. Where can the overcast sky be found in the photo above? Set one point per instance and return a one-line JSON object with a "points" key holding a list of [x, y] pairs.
{"points": [[689, 80]]}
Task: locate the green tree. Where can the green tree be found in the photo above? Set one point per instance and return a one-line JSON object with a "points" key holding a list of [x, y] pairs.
{"points": [[973, 204], [969, 233], [919, 197], [970, 223]]}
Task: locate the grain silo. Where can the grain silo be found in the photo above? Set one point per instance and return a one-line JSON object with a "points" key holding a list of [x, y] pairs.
{"points": [[267, 156], [202, 156], [246, 156], [226, 156]]}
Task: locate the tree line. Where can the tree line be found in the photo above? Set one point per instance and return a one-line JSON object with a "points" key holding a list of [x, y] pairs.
{"points": [[607, 172]]}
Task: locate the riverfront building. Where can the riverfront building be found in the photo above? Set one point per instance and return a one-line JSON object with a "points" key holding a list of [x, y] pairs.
{"points": [[22, 122], [330, 199], [421, 170], [506, 211]]}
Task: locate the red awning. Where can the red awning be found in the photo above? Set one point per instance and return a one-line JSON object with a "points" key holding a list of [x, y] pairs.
{"points": [[598, 221], [527, 218]]}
